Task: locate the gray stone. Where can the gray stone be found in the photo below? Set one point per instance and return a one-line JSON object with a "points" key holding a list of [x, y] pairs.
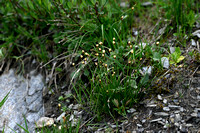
{"points": [[196, 33], [44, 121], [161, 114], [193, 43], [165, 62], [159, 97], [166, 108], [21, 100]]}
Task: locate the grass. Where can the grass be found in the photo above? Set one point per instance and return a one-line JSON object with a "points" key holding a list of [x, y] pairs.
{"points": [[106, 62]]}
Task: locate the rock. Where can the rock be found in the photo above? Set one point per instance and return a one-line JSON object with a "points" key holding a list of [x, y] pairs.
{"points": [[193, 43], [44, 121], [131, 110], [61, 117], [147, 70], [196, 33], [161, 114], [124, 4], [172, 49], [173, 106], [166, 109], [159, 97], [77, 106], [151, 105], [177, 117], [165, 101], [155, 120], [25, 99], [139, 125], [71, 117], [149, 3], [194, 114], [165, 62]]}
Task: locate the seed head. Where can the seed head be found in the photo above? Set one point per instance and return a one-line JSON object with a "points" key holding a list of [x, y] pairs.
{"points": [[100, 43], [132, 51], [103, 51], [59, 105], [97, 45], [83, 62], [83, 51], [114, 56], [113, 39], [132, 8], [129, 42], [73, 64], [131, 46], [157, 43], [122, 17], [114, 42], [110, 49], [81, 56], [85, 59], [86, 54], [96, 63], [106, 65], [103, 55], [97, 54], [99, 49]]}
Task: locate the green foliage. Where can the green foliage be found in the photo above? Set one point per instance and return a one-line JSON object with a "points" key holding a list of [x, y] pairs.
{"points": [[176, 56]]}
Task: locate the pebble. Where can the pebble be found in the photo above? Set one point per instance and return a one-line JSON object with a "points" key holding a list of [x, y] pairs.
{"points": [[44, 121], [166, 109], [165, 101], [131, 110], [193, 42], [159, 97], [60, 117], [165, 62], [177, 117], [161, 114], [173, 106], [159, 119]]}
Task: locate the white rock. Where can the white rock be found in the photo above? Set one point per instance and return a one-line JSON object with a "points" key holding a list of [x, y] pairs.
{"points": [[131, 110], [165, 101], [166, 108], [147, 70], [165, 62], [159, 119], [60, 117], [196, 33], [193, 42], [172, 49], [161, 114], [159, 97], [44, 121], [71, 117]]}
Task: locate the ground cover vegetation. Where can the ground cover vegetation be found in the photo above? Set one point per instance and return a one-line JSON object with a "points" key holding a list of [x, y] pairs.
{"points": [[90, 46]]}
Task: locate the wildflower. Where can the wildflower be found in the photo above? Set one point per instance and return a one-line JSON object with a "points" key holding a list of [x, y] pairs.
{"points": [[110, 49], [97, 54], [140, 59], [59, 127], [83, 51], [108, 100], [113, 72], [132, 51], [103, 55], [107, 91], [96, 63], [83, 62], [129, 42], [157, 43], [132, 8], [129, 62], [131, 46], [99, 49], [113, 39], [100, 43], [73, 64], [114, 56], [54, 125], [106, 65], [86, 54], [59, 105], [97, 45], [114, 42], [103, 51], [81, 56], [85, 59], [122, 17], [100, 80]]}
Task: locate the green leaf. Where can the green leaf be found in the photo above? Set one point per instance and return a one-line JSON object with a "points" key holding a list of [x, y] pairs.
{"points": [[132, 83], [86, 73], [116, 103], [156, 56], [144, 80], [4, 100]]}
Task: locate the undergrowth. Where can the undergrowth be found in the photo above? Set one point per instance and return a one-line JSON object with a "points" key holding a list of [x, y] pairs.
{"points": [[111, 69]]}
